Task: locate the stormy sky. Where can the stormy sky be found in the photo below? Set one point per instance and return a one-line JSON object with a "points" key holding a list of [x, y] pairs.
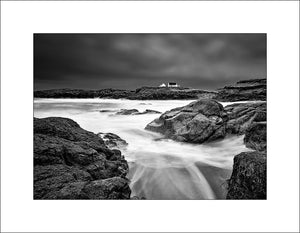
{"points": [[129, 61]]}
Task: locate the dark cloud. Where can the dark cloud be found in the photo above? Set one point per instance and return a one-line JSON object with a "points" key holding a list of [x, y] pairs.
{"points": [[95, 61]]}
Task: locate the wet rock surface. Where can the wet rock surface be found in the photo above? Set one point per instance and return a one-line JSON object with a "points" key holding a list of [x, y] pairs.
{"points": [[249, 176], [72, 163]]}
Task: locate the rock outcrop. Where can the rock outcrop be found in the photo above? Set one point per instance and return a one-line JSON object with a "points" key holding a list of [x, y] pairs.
{"points": [[206, 120], [249, 176], [253, 89], [72, 163]]}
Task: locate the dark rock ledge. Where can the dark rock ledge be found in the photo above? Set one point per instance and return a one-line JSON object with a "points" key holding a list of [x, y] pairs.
{"points": [[72, 163]]}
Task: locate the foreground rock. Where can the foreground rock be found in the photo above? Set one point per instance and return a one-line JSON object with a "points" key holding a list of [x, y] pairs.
{"points": [[206, 120], [72, 163], [136, 112], [248, 179], [253, 89]]}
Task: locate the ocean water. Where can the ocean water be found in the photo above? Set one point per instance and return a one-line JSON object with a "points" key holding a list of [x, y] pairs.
{"points": [[158, 168]]}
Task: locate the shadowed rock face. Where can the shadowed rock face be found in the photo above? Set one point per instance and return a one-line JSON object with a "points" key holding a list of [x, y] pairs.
{"points": [[206, 120], [72, 163], [248, 179]]}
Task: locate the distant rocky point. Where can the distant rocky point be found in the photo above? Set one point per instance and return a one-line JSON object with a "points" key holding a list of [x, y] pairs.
{"points": [[253, 89]]}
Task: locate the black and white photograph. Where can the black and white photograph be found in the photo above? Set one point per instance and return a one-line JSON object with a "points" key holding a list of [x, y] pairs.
{"points": [[150, 116]]}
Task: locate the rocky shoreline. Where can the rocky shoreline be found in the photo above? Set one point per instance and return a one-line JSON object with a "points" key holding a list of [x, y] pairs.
{"points": [[206, 120], [72, 163], [253, 89]]}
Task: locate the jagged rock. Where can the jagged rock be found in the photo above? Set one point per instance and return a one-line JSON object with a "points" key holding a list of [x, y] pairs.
{"points": [[256, 136], [248, 179], [68, 159], [242, 115], [113, 141]]}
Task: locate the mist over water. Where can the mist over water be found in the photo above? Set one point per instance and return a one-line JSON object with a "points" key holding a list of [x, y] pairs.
{"points": [[158, 168]]}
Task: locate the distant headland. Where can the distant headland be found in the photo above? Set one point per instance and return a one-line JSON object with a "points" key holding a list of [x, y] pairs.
{"points": [[252, 89]]}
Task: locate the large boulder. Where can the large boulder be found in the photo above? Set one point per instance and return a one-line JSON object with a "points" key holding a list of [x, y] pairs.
{"points": [[68, 160], [197, 122], [206, 120], [248, 179]]}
